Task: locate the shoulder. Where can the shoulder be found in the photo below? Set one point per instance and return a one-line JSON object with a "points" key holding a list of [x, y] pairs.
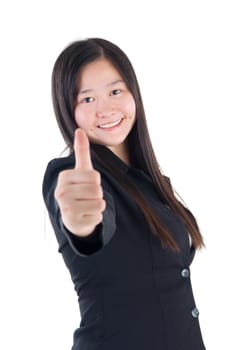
{"points": [[58, 164]]}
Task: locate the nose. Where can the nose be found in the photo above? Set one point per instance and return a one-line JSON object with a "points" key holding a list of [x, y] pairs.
{"points": [[104, 108]]}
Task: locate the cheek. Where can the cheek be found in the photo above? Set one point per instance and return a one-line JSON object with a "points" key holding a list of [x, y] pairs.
{"points": [[130, 107], [134, 108], [81, 117]]}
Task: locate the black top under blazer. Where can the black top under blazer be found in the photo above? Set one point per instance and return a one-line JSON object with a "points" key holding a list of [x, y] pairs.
{"points": [[132, 293]]}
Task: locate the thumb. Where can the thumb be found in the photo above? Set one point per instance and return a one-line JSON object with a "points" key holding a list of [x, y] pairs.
{"points": [[82, 150]]}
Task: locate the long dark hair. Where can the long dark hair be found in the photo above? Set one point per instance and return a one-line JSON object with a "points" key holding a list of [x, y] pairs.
{"points": [[64, 93]]}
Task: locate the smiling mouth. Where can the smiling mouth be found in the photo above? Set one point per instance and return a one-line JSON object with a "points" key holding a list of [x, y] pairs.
{"points": [[110, 125]]}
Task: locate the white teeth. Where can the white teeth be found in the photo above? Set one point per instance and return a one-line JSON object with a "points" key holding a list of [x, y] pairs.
{"points": [[110, 125]]}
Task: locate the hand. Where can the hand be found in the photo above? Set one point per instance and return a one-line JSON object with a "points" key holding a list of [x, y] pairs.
{"points": [[79, 193]]}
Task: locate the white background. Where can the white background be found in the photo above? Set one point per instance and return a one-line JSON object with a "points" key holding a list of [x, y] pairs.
{"points": [[192, 59]]}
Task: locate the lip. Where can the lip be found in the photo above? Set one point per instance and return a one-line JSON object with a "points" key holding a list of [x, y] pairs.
{"points": [[111, 125]]}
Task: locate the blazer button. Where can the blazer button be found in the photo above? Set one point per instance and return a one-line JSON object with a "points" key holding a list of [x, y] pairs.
{"points": [[195, 312], [185, 273]]}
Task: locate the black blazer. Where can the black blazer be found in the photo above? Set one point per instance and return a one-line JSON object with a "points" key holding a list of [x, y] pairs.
{"points": [[132, 293]]}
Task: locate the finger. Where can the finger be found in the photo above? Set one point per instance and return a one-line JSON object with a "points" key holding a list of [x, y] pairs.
{"points": [[82, 151], [80, 192], [78, 176], [85, 226], [74, 209]]}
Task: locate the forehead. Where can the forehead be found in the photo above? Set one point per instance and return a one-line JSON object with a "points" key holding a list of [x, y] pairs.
{"points": [[101, 71]]}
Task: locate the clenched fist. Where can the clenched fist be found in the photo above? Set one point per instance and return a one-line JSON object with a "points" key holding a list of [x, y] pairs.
{"points": [[79, 193]]}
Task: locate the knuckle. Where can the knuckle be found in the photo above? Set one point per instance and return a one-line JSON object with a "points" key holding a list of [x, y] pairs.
{"points": [[100, 218], [102, 205], [59, 193], [96, 176], [98, 192], [63, 175]]}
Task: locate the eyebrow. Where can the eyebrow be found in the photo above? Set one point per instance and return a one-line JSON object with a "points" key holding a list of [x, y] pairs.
{"points": [[107, 85]]}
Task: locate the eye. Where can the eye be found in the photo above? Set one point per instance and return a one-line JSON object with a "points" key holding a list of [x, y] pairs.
{"points": [[116, 92], [87, 100]]}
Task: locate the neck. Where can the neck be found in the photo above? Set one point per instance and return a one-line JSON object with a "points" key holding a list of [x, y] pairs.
{"points": [[121, 151]]}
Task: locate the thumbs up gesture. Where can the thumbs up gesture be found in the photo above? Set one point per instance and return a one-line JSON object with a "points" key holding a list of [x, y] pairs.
{"points": [[79, 193]]}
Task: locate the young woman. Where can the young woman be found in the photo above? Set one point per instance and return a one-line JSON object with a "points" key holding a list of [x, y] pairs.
{"points": [[126, 239]]}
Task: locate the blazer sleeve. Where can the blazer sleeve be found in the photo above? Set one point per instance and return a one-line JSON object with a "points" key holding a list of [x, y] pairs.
{"points": [[103, 232]]}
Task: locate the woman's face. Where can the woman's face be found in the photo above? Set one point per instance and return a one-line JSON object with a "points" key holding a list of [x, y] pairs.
{"points": [[105, 108]]}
